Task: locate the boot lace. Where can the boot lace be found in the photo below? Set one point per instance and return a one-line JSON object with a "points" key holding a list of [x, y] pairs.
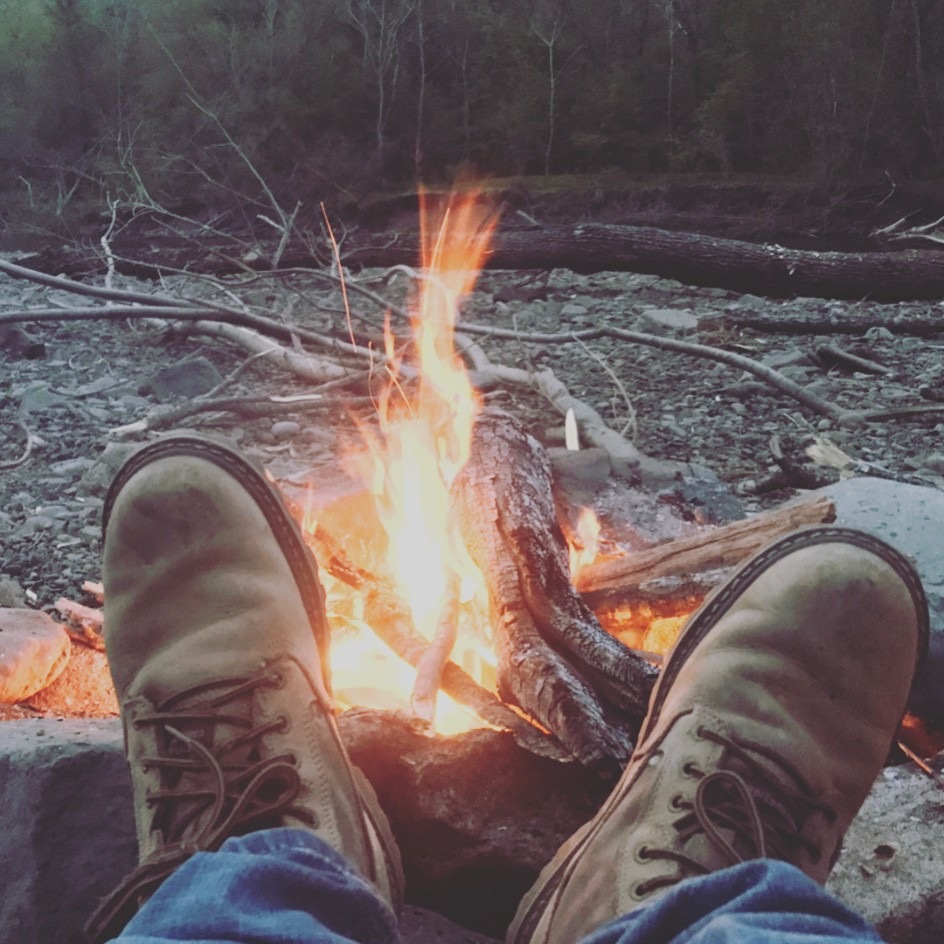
{"points": [[746, 810], [209, 791]]}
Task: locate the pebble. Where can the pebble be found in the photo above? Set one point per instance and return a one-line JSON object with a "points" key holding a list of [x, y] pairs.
{"points": [[34, 650], [286, 429]]}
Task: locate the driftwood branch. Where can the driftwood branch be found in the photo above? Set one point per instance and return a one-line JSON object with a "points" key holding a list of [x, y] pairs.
{"points": [[732, 359]]}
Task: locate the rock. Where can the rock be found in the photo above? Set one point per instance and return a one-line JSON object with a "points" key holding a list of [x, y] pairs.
{"points": [[96, 480], [579, 473], [83, 690], [469, 853], [285, 429], [67, 830], [189, 378], [670, 319], [11, 593], [34, 650], [911, 518], [892, 864]]}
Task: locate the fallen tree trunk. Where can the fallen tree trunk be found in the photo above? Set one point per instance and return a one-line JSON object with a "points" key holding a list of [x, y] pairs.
{"points": [[554, 659], [695, 259], [692, 258]]}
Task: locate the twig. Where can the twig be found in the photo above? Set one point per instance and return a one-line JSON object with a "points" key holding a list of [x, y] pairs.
{"points": [[245, 406], [772, 377], [27, 451], [430, 668]]}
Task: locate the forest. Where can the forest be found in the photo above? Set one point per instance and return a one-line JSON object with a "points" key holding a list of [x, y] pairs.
{"points": [[184, 103]]}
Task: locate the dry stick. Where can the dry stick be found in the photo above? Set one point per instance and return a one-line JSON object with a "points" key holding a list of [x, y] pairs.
{"points": [[432, 663], [252, 407], [27, 451], [772, 377], [143, 305], [593, 427]]}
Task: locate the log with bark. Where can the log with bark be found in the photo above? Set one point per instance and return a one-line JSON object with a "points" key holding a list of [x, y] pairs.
{"points": [[695, 259], [554, 658]]}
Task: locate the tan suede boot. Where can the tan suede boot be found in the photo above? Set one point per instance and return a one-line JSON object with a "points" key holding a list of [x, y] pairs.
{"points": [[215, 631], [772, 717]]}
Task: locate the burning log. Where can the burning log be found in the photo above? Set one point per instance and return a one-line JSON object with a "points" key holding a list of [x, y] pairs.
{"points": [[678, 574], [554, 659], [390, 619]]}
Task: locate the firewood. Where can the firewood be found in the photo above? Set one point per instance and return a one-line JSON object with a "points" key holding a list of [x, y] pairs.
{"points": [[85, 622], [554, 658], [622, 581], [390, 619]]}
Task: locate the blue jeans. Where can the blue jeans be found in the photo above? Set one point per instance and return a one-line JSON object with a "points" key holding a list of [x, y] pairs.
{"points": [[285, 886]]}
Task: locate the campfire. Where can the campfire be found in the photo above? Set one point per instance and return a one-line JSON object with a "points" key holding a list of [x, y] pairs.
{"points": [[465, 586], [452, 591]]}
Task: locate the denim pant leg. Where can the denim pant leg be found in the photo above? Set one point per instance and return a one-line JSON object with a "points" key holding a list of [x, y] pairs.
{"points": [[763, 901], [277, 886]]}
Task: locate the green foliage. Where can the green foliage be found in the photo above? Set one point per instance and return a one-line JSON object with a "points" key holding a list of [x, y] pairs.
{"points": [[145, 100]]}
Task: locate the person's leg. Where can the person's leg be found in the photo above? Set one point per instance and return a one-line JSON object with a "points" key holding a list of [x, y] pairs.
{"points": [[771, 718], [215, 632], [281, 886], [763, 901]]}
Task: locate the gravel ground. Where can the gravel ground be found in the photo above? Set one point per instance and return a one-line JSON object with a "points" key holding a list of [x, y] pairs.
{"points": [[82, 380]]}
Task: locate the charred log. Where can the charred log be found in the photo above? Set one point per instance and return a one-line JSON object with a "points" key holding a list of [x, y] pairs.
{"points": [[555, 660]]}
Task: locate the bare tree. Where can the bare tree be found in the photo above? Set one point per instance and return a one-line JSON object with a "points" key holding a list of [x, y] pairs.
{"points": [[380, 23], [547, 23]]}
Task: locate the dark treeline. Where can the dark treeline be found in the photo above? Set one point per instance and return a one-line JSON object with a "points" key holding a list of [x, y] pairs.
{"points": [[135, 98]]}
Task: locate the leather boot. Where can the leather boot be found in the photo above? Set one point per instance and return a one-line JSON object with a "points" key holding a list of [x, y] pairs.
{"points": [[773, 715], [216, 634]]}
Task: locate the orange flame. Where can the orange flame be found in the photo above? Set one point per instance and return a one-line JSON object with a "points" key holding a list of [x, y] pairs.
{"points": [[584, 546], [424, 439]]}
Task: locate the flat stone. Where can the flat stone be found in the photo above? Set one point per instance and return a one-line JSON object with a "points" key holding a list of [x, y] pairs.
{"points": [[96, 480], [671, 319], [286, 429], [34, 650], [892, 864], [67, 830]]}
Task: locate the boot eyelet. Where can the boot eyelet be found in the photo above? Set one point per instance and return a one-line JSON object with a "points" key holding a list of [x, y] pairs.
{"points": [[284, 724], [677, 803], [278, 680], [642, 854], [689, 769]]}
